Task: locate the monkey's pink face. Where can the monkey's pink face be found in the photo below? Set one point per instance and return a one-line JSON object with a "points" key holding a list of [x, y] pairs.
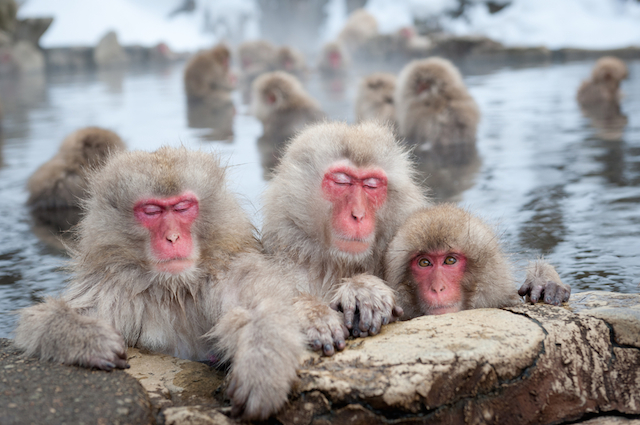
{"points": [[169, 223], [335, 59], [439, 277], [356, 195]]}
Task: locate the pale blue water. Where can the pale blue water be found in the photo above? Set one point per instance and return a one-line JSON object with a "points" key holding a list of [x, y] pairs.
{"points": [[542, 175]]}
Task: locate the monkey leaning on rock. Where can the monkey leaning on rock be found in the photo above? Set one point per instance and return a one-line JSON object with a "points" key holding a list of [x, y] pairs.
{"points": [[167, 260], [444, 259]]}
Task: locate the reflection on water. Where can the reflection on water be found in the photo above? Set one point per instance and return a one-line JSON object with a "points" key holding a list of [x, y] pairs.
{"points": [[548, 176]]}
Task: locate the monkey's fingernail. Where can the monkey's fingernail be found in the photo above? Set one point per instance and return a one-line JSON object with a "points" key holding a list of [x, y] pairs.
{"points": [[385, 320], [373, 330], [328, 350], [340, 345], [316, 345]]}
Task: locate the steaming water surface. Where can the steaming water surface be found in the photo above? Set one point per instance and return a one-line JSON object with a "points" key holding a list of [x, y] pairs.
{"points": [[552, 182]]}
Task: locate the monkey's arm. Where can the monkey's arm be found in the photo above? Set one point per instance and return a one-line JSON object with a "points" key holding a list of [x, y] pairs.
{"points": [[367, 303], [258, 331], [542, 278], [54, 331]]}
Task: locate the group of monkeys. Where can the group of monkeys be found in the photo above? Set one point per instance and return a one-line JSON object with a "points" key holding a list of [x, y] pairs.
{"points": [[164, 258]]}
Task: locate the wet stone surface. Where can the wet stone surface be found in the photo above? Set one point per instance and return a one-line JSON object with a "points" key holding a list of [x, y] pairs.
{"points": [[34, 392]]}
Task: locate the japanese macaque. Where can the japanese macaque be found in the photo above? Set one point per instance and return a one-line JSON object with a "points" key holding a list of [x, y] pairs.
{"points": [[374, 100], [207, 76], [283, 106], [290, 60], [256, 58], [360, 27], [336, 199], [444, 260], [433, 106], [167, 260], [334, 60], [599, 98], [603, 88], [61, 182]]}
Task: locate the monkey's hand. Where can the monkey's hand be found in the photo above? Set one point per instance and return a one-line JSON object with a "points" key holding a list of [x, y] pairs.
{"points": [[323, 326], [55, 331], [367, 303], [542, 278]]}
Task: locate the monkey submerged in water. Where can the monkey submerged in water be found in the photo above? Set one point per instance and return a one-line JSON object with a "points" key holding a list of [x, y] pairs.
{"points": [[433, 106], [374, 100], [167, 260], [335, 201], [61, 182], [445, 260]]}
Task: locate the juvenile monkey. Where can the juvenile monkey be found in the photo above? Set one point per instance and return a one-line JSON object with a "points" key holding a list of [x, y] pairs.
{"points": [[374, 100], [336, 199], [334, 60], [433, 106], [290, 60], [207, 76], [256, 58], [360, 27], [167, 260], [280, 102], [61, 182], [603, 88], [445, 260]]}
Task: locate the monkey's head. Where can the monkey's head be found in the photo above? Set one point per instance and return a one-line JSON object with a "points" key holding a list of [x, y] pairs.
{"points": [[221, 55], [339, 189], [609, 69], [89, 148], [433, 78], [334, 55], [163, 212], [437, 257], [380, 86], [274, 91]]}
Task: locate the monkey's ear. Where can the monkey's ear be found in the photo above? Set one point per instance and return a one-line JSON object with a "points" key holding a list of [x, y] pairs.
{"points": [[271, 97]]}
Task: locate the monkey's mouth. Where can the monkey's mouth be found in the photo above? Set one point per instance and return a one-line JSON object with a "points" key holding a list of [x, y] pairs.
{"points": [[443, 309], [174, 266], [352, 245]]}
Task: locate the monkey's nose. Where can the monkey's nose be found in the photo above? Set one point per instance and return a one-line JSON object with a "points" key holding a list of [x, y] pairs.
{"points": [[173, 237]]}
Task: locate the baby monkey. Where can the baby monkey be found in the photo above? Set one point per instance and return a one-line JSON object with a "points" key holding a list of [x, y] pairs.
{"points": [[444, 260]]}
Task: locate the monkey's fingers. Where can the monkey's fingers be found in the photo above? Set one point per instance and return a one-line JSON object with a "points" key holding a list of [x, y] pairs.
{"points": [[376, 323], [536, 291], [525, 288], [550, 293], [397, 312], [348, 307], [366, 316]]}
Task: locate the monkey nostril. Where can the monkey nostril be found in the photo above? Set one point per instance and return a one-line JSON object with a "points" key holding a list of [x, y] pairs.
{"points": [[173, 237]]}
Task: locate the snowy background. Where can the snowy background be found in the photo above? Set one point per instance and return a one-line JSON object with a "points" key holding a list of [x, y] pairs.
{"points": [[595, 24]]}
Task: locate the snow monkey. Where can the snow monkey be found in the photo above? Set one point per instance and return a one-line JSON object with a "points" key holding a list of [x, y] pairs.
{"points": [[433, 106], [445, 260], [334, 60], [375, 98], [283, 106], [167, 260], [335, 201], [61, 182], [603, 88], [207, 76]]}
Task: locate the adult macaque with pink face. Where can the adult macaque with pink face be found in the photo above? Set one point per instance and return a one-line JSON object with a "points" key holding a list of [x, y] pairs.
{"points": [[444, 260], [167, 260], [336, 199]]}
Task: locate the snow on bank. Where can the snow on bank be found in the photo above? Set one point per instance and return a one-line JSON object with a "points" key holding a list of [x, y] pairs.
{"points": [[143, 22], [592, 24], [595, 24]]}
